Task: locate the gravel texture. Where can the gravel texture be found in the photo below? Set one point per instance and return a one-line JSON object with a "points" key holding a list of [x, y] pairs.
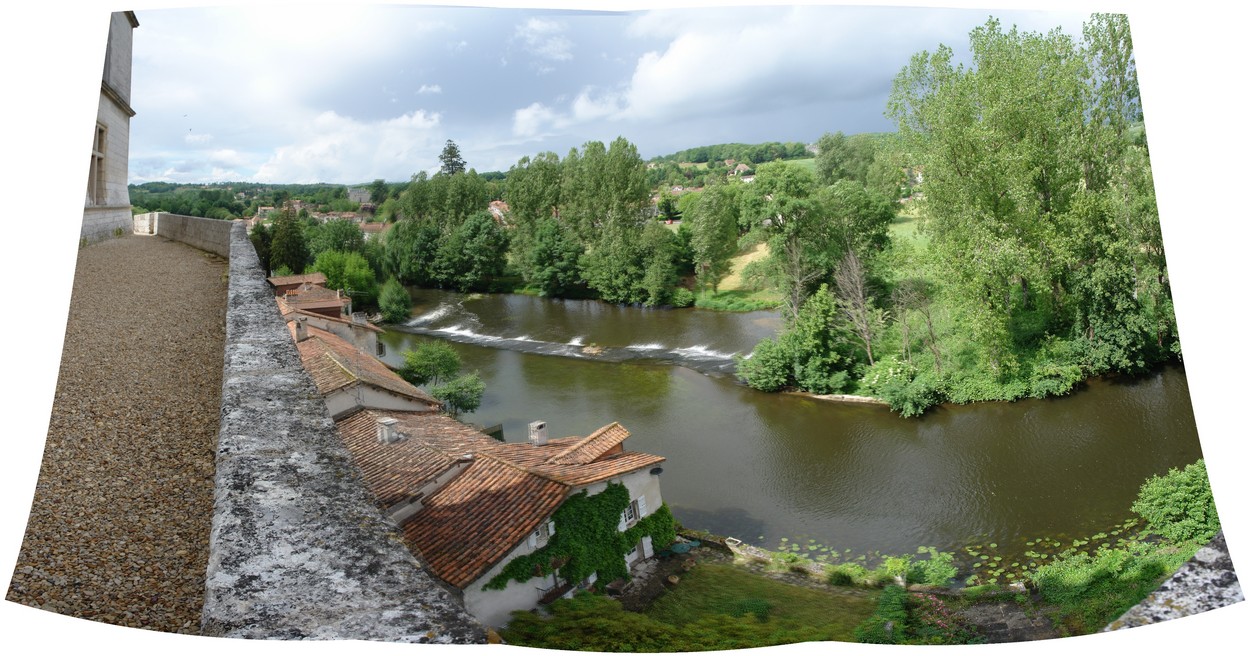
{"points": [[118, 530]]}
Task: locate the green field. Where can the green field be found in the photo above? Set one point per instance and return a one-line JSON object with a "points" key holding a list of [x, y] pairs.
{"points": [[906, 226], [720, 589]]}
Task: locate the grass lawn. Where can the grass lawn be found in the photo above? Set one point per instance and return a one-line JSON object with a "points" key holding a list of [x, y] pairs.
{"points": [[808, 163], [720, 589], [732, 293], [905, 226]]}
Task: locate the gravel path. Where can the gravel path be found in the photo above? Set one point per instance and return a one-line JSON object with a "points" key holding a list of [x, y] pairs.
{"points": [[118, 531]]}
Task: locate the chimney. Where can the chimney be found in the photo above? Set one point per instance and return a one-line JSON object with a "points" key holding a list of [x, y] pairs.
{"points": [[301, 330], [386, 430], [538, 433]]}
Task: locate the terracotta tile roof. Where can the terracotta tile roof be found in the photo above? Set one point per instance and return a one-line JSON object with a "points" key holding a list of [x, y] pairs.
{"points": [[465, 527], [394, 472], [317, 278], [475, 520], [592, 446], [287, 310], [536, 459], [334, 363]]}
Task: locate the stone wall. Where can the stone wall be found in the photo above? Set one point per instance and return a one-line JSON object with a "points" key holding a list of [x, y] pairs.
{"points": [[212, 235], [298, 549], [1204, 583]]}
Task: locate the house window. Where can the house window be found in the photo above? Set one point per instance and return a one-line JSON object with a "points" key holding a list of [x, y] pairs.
{"points": [[95, 178], [540, 537], [381, 349], [631, 513]]}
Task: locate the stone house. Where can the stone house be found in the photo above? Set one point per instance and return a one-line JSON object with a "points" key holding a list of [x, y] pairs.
{"points": [[469, 505], [284, 284], [107, 203], [350, 378]]}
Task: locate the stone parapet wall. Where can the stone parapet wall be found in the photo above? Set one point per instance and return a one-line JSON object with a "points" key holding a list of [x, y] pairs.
{"points": [[212, 235], [102, 222], [1204, 583], [298, 549]]}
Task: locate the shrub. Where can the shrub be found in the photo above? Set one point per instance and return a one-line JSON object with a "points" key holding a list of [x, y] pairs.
{"points": [[888, 625], [394, 302], [1179, 505], [681, 298], [938, 569]]}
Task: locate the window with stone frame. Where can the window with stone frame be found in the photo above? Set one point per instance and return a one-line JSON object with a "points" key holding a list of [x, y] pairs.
{"points": [[96, 192]]}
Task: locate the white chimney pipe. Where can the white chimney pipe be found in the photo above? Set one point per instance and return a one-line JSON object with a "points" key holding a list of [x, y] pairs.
{"points": [[538, 433], [301, 329]]}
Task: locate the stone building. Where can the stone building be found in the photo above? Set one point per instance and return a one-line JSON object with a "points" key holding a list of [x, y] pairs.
{"points": [[107, 206]]}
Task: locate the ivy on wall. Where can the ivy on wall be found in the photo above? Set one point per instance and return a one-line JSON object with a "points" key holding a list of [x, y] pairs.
{"points": [[586, 540]]}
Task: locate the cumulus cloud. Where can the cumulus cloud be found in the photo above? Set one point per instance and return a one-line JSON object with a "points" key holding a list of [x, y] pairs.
{"points": [[533, 120], [430, 88], [544, 38], [335, 148], [192, 138]]}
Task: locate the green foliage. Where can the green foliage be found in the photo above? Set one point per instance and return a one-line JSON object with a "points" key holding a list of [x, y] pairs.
{"points": [[810, 354], [681, 298], [463, 394], [908, 390], [288, 247], [335, 235], [887, 626], [1179, 505], [394, 302], [430, 362], [550, 261], [472, 254], [937, 570], [409, 249], [586, 540], [450, 160], [261, 238], [350, 272]]}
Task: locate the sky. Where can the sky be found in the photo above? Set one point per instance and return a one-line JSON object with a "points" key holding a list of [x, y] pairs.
{"points": [[351, 94], [1190, 56]]}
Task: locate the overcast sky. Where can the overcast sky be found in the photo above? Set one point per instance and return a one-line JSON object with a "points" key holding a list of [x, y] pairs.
{"points": [[349, 94]]}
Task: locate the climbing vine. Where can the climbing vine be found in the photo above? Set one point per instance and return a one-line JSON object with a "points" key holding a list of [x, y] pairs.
{"points": [[586, 540]]}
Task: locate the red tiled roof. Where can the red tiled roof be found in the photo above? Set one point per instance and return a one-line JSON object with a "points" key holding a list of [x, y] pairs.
{"points": [[592, 446], [317, 278], [287, 309], [334, 363], [475, 520], [465, 527], [394, 472]]}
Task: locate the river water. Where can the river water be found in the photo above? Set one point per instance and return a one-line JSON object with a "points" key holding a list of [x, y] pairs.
{"points": [[762, 467]]}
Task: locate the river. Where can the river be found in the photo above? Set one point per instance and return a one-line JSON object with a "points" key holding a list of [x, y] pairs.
{"points": [[763, 467]]}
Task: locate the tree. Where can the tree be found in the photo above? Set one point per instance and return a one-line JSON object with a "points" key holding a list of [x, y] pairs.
{"points": [[782, 204], [409, 249], [430, 362], [394, 302], [336, 235], [288, 248], [262, 239], [464, 394], [713, 222], [451, 162], [472, 254], [378, 191], [865, 320], [350, 272], [549, 260]]}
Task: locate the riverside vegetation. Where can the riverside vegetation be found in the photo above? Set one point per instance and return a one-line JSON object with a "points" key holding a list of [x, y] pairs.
{"points": [[1079, 586]]}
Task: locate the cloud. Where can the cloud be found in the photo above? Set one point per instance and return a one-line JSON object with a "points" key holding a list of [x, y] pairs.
{"points": [[335, 148], [543, 38], [430, 88], [533, 120], [202, 138]]}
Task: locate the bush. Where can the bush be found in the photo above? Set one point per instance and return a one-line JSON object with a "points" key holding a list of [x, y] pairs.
{"points": [[681, 298], [1179, 505], [937, 570]]}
